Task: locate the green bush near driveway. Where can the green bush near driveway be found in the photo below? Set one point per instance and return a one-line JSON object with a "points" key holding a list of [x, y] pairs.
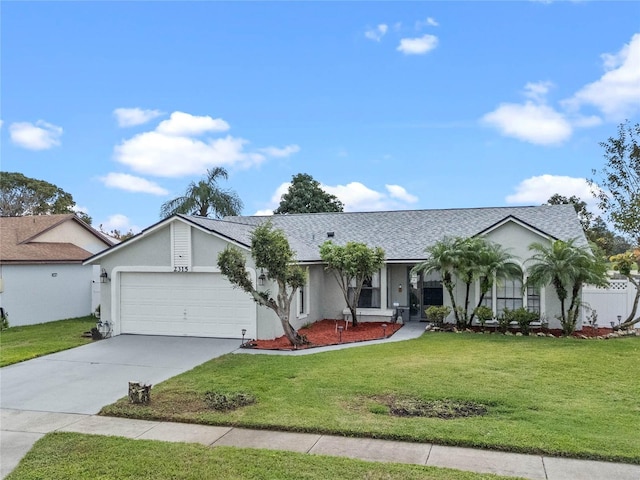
{"points": [[18, 344], [91, 457], [557, 396]]}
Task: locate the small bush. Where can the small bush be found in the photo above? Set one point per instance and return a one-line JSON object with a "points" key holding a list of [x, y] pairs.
{"points": [[437, 314], [484, 314], [228, 401]]}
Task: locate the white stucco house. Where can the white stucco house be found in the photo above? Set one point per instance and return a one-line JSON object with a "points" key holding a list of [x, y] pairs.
{"points": [[164, 281], [42, 276]]}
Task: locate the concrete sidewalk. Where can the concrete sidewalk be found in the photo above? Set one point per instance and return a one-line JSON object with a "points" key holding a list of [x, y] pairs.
{"points": [[21, 429]]}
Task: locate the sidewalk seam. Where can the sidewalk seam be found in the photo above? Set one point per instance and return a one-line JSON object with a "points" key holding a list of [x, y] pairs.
{"points": [[544, 467], [428, 454]]}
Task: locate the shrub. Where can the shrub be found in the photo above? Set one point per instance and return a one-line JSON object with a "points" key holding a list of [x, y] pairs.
{"points": [[437, 314], [484, 314], [524, 318]]}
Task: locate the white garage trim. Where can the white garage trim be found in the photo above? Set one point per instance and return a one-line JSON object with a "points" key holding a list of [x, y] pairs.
{"points": [[235, 309]]}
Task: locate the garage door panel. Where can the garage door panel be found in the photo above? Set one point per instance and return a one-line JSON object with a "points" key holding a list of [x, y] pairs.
{"points": [[189, 304]]}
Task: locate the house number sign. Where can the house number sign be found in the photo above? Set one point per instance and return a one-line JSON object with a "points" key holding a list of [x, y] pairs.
{"points": [[180, 269]]}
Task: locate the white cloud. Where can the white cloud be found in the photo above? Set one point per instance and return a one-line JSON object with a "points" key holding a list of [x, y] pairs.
{"points": [[355, 196], [129, 117], [537, 91], [280, 152], [400, 193], [418, 46], [119, 222], [130, 183], [40, 136], [617, 93], [376, 33], [537, 190], [185, 124], [429, 22], [176, 148], [531, 122]]}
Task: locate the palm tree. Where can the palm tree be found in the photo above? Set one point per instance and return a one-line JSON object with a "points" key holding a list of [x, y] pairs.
{"points": [[495, 262], [442, 257], [566, 267], [205, 198]]}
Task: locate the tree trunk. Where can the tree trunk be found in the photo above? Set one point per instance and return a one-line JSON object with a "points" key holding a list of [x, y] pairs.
{"points": [[291, 333], [627, 324], [354, 318]]}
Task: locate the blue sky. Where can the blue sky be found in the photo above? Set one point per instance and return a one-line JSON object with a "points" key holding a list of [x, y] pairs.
{"points": [[390, 105]]}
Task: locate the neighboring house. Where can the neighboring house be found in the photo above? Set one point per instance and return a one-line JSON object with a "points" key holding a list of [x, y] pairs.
{"points": [[165, 280], [42, 277]]}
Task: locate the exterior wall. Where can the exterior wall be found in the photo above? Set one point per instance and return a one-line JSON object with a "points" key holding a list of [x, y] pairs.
{"points": [[60, 291], [72, 232], [153, 253]]}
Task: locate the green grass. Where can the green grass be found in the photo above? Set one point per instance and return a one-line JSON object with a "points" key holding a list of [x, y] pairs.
{"points": [[18, 344], [76, 456], [567, 397]]}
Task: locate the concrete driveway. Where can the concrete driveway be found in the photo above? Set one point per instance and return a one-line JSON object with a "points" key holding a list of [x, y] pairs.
{"points": [[84, 379]]}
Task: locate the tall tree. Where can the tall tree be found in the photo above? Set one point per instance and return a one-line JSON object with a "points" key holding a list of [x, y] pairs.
{"points": [[351, 265], [567, 267], [595, 228], [305, 195], [271, 252], [20, 196], [617, 185], [205, 198], [585, 216]]}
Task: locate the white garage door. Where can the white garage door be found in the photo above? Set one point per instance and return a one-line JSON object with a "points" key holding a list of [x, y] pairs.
{"points": [[184, 304]]}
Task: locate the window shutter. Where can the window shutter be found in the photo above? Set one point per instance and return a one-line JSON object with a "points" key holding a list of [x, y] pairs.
{"points": [[181, 245]]}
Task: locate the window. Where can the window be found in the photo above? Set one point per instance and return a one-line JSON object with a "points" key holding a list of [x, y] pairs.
{"points": [[533, 299], [370, 293], [508, 295], [301, 299]]}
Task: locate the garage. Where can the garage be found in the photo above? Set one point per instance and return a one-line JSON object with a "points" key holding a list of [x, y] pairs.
{"points": [[184, 304]]}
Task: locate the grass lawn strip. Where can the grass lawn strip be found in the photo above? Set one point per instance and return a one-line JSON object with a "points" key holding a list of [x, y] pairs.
{"points": [[560, 397], [92, 457], [18, 344]]}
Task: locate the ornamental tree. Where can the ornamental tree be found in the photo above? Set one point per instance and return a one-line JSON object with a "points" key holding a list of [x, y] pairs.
{"points": [[271, 252], [351, 265], [624, 263]]}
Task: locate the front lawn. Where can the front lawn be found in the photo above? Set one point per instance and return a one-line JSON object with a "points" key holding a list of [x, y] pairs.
{"points": [[557, 396], [30, 341], [76, 456]]}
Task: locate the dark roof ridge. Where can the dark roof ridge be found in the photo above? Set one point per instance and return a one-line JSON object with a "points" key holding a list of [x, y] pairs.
{"points": [[407, 210]]}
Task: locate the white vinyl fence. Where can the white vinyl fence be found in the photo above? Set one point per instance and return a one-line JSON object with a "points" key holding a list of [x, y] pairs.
{"points": [[609, 303]]}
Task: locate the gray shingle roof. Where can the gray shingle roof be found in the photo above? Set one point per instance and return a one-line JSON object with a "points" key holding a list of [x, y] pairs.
{"points": [[402, 234]]}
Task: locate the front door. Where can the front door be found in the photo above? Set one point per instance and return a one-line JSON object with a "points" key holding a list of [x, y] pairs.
{"points": [[425, 292]]}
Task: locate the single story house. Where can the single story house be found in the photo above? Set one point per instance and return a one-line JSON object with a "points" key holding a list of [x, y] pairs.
{"points": [[165, 280], [42, 275]]}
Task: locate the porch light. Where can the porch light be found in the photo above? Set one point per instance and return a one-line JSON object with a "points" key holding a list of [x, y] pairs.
{"points": [[261, 278], [104, 278]]}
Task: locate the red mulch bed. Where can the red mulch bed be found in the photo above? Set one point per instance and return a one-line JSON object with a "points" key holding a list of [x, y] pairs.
{"points": [[325, 332]]}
